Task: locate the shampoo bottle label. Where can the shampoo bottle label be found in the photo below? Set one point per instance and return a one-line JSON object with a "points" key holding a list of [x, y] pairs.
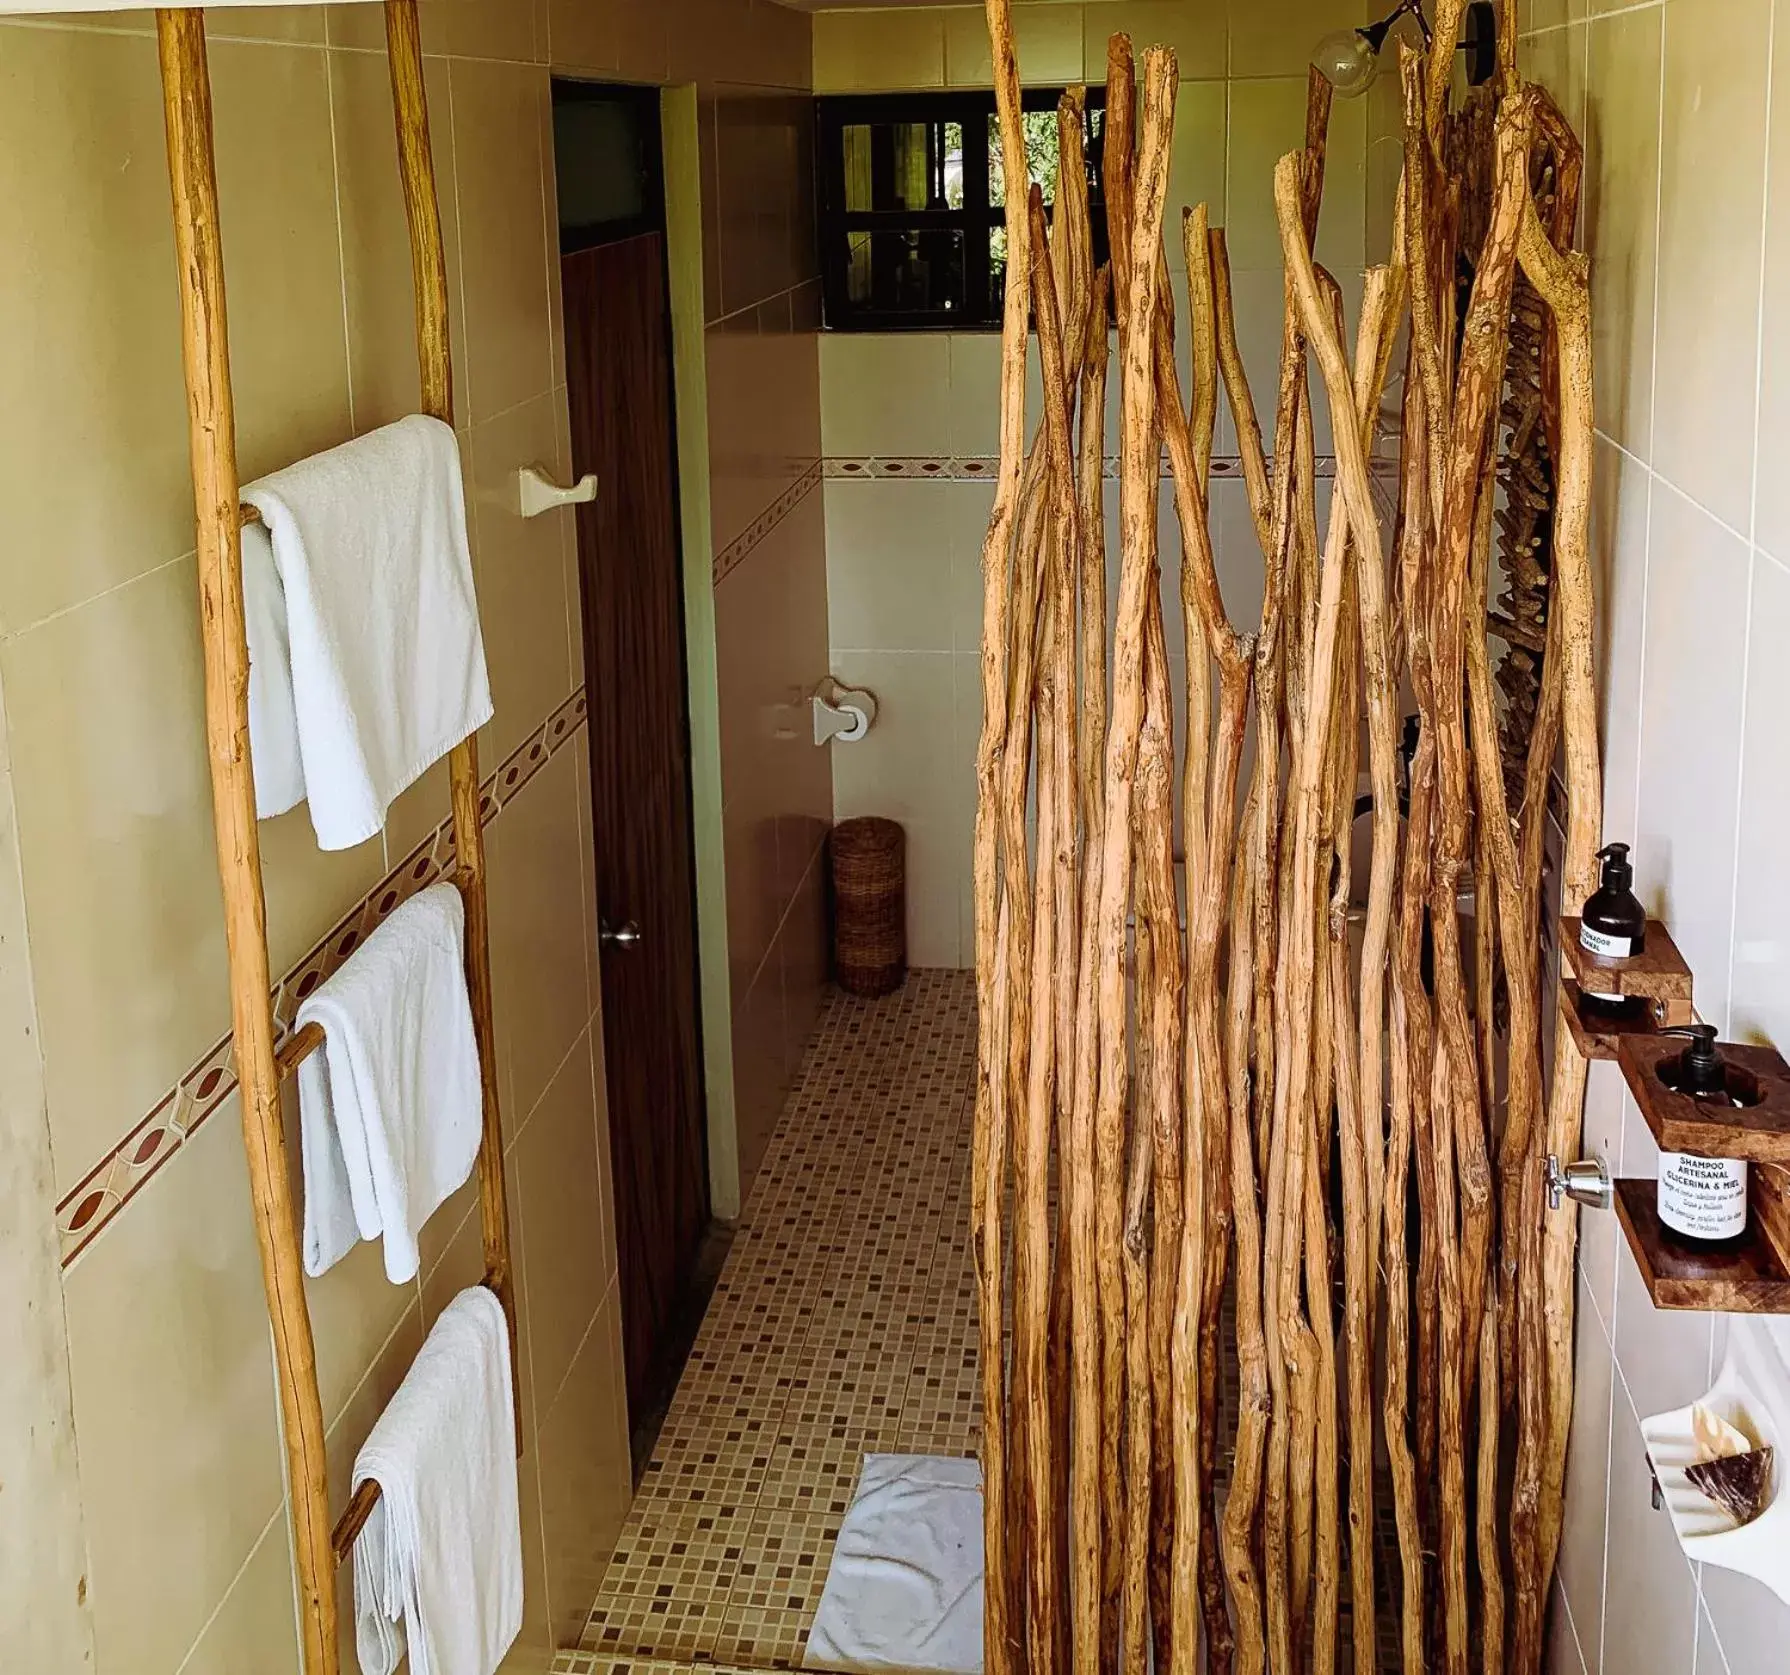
{"points": [[1702, 1197]]}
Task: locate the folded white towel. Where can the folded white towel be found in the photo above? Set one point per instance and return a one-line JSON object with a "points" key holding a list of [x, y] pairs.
{"points": [[390, 1107], [905, 1588], [442, 1552], [273, 722], [381, 624]]}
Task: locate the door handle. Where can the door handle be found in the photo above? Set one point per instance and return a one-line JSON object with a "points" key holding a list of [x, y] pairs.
{"points": [[623, 936]]}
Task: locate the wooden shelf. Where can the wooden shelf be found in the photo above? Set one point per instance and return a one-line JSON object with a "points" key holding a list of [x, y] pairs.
{"points": [[1758, 1132], [1658, 973], [1595, 1035], [1745, 1278]]}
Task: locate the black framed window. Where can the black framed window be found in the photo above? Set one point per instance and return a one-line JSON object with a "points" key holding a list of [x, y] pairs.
{"points": [[913, 205]]}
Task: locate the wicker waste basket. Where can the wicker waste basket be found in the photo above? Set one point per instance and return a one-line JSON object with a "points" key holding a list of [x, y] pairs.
{"points": [[869, 906]]}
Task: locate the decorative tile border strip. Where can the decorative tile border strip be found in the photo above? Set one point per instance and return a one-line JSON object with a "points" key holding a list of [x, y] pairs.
{"points": [[87, 1210], [734, 554], [965, 468]]}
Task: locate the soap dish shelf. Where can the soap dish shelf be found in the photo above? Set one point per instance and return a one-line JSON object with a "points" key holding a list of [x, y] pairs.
{"points": [[1752, 1392]]}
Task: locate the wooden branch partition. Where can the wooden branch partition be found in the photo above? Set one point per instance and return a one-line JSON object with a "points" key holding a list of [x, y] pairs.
{"points": [[1194, 1058], [198, 236]]}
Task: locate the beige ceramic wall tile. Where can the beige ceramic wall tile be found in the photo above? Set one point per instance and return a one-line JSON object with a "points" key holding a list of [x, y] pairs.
{"points": [[885, 394], [1654, 1627], [570, 1249], [1196, 32], [585, 1472], [92, 390], [1773, 494], [381, 298], [589, 904], [973, 372], [579, 35], [510, 29], [1619, 558], [453, 1249], [1048, 40], [736, 475], [803, 773], [1691, 699], [806, 960], [857, 52], [256, 1627], [1621, 215], [100, 376], [1196, 173], [763, 410], [1761, 1001], [295, 24], [965, 514], [362, 27], [520, 571], [498, 162], [118, 855], [764, 151], [1278, 40], [759, 1077], [1711, 197], [174, 1402], [277, 203], [897, 770], [754, 708], [541, 998], [642, 41], [1267, 120], [1581, 1563], [43, 1554], [888, 566], [1741, 1629], [938, 868]]}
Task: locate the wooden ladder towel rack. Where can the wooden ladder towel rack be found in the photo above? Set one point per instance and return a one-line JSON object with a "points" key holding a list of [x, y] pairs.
{"points": [[261, 1065]]}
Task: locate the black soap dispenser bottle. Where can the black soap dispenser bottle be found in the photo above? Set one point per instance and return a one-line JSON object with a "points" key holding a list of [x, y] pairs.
{"points": [[1701, 1198], [1613, 923]]}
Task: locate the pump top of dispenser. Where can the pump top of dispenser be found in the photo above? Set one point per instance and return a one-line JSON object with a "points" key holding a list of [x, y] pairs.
{"points": [[1702, 1073], [1613, 923]]}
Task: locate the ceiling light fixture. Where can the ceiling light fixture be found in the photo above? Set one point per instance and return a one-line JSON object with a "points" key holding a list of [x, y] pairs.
{"points": [[1350, 58]]}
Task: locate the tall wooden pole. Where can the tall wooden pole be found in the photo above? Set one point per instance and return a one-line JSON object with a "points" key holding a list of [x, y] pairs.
{"points": [[211, 427]]}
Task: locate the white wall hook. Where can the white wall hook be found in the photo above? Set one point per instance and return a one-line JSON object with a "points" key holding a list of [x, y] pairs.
{"points": [[537, 493], [841, 714]]}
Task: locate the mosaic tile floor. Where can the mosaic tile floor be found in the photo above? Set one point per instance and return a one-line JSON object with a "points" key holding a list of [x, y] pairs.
{"points": [[844, 1323]]}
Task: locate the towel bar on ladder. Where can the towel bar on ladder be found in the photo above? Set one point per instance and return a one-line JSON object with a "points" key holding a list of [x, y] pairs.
{"points": [[211, 425]]}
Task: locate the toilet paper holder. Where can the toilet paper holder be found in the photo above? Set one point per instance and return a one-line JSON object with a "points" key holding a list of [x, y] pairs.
{"points": [[842, 714]]}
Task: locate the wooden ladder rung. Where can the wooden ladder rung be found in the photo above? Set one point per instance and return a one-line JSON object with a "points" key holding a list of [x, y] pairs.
{"points": [[298, 1049]]}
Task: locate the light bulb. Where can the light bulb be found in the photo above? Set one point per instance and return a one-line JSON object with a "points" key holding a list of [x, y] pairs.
{"points": [[1347, 60]]}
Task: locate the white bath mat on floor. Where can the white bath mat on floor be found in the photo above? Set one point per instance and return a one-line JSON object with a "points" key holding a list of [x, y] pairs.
{"points": [[905, 1588]]}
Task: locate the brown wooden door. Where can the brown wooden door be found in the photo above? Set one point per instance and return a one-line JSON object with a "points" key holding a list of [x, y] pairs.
{"points": [[618, 363]]}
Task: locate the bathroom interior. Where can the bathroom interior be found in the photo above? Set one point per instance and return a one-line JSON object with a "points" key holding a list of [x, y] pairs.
{"points": [[729, 1206]]}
